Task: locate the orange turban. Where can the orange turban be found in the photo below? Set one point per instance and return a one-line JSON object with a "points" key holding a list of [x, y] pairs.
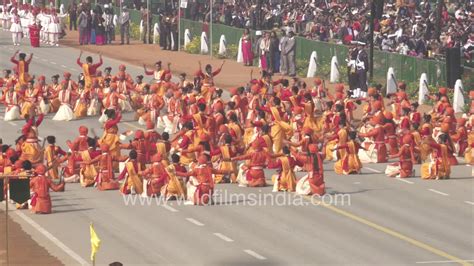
{"points": [[445, 127], [388, 115], [339, 87], [317, 81], [371, 91], [40, 169], [443, 91]]}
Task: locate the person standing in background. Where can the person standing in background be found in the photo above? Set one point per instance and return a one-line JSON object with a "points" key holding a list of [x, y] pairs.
{"points": [[124, 21], [83, 26], [274, 53], [283, 59], [288, 51], [109, 24], [174, 31], [247, 48], [147, 30], [72, 12]]}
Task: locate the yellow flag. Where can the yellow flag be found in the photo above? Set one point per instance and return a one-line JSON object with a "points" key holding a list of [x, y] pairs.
{"points": [[95, 243]]}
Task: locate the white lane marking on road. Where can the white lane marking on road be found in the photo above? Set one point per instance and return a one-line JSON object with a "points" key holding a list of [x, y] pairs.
{"points": [[53, 63], [53, 239], [194, 221], [12, 123], [404, 180], [469, 202], [254, 254], [223, 237], [63, 66], [438, 192], [441, 261], [44, 59], [356, 183], [169, 208], [373, 170]]}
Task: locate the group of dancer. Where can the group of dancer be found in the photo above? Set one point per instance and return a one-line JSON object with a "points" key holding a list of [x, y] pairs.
{"points": [[18, 19], [195, 138]]}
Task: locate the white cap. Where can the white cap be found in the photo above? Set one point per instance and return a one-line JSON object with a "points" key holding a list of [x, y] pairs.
{"points": [[258, 33], [106, 6]]}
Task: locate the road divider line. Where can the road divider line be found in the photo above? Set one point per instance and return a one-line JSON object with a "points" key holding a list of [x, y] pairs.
{"points": [[44, 59], [439, 261], [356, 183], [393, 233], [63, 66], [373, 170], [53, 239], [194, 221], [404, 180], [53, 63], [438, 192], [254, 254], [223, 237], [12, 123], [469, 202], [169, 208]]}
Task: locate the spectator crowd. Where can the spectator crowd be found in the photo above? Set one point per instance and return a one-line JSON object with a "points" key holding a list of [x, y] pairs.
{"points": [[409, 27]]}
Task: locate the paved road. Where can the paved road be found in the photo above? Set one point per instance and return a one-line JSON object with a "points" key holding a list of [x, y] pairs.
{"points": [[377, 220]]}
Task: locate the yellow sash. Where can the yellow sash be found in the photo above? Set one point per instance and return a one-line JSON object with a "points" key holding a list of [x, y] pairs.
{"points": [[22, 76], [88, 171], [174, 186], [87, 75], [287, 175], [286, 127], [133, 179]]}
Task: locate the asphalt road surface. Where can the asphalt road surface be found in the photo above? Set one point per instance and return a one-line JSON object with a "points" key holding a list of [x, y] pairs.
{"points": [[367, 219]]}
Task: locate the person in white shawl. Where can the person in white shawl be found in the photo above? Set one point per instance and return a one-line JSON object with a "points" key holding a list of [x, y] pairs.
{"points": [[65, 112]]}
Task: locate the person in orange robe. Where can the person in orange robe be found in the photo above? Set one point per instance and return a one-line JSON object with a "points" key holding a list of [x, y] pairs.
{"points": [[378, 135], [110, 136], [313, 183], [404, 168], [54, 156], [154, 176], [349, 163], [105, 178], [30, 148], [40, 185], [391, 133], [88, 172], [133, 183], [22, 67], [138, 144], [439, 167], [258, 158], [89, 69], [207, 80], [200, 186], [286, 178]]}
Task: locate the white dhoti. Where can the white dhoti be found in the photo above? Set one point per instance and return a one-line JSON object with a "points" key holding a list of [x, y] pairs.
{"points": [[12, 114], [64, 113], [369, 155], [303, 187]]}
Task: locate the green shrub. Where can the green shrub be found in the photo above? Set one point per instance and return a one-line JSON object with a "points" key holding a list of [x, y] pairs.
{"points": [[194, 47], [231, 52]]}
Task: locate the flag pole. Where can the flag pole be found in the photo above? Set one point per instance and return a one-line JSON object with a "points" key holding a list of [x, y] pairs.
{"points": [[179, 25], [5, 195], [210, 27]]}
